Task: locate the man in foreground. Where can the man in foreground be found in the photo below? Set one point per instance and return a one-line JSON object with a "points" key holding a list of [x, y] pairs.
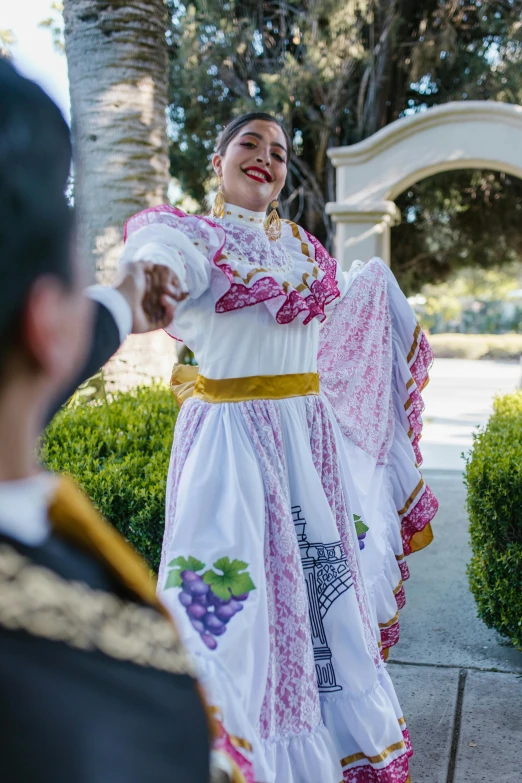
{"points": [[94, 684]]}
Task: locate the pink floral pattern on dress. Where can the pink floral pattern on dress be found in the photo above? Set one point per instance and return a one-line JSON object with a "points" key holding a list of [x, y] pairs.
{"points": [[355, 362], [396, 771], [291, 702], [370, 367]]}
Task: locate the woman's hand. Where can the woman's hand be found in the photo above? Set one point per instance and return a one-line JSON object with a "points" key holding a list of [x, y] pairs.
{"points": [[152, 291]]}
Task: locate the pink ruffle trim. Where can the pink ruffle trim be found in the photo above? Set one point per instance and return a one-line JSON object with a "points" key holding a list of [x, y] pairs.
{"points": [[400, 598], [316, 297], [397, 771], [223, 743], [390, 635], [426, 505], [421, 365], [405, 571], [420, 373], [418, 517]]}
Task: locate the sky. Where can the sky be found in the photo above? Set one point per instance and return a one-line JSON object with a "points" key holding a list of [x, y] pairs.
{"points": [[33, 53]]}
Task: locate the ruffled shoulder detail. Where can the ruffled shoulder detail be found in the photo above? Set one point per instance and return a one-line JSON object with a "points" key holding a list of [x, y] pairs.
{"points": [[304, 288], [208, 237]]}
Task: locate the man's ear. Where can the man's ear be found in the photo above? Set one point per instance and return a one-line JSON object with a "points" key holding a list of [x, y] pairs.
{"points": [[44, 332], [217, 164]]}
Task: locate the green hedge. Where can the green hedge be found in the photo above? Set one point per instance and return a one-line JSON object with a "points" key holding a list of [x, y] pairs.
{"points": [[494, 482], [118, 450]]}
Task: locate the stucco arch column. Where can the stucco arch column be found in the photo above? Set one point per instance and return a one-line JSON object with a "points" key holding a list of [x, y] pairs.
{"points": [[363, 231]]}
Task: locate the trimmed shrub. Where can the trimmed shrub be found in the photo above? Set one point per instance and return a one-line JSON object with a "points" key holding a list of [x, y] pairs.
{"points": [[118, 450], [494, 483]]}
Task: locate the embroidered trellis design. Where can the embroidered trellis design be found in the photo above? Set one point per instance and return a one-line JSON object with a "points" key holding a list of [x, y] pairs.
{"points": [[327, 576], [211, 599]]}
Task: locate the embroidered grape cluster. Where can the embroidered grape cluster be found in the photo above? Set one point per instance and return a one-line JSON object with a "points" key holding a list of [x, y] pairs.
{"points": [[210, 599], [361, 529]]}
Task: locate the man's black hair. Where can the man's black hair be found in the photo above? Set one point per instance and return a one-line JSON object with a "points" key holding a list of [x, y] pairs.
{"points": [[35, 219]]}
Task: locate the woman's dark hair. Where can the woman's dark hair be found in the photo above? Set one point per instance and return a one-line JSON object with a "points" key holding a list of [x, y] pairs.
{"points": [[232, 129]]}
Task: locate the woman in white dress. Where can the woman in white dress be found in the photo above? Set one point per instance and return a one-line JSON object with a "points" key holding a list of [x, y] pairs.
{"points": [[293, 489]]}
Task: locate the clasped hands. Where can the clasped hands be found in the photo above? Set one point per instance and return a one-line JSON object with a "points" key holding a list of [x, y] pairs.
{"points": [[152, 292]]}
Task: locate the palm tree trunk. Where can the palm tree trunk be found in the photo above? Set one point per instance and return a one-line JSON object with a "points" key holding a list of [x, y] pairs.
{"points": [[117, 60]]}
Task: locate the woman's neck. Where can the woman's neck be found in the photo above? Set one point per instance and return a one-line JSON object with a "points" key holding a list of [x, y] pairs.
{"points": [[242, 216], [239, 208]]}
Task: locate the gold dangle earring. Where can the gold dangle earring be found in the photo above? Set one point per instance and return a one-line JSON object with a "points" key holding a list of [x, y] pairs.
{"points": [[272, 224], [218, 207]]}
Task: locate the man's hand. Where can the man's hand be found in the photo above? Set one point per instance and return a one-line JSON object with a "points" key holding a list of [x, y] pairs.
{"points": [[152, 292]]}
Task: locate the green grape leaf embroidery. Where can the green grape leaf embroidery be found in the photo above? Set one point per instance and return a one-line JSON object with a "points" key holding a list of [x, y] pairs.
{"points": [[360, 527], [178, 565], [230, 581]]}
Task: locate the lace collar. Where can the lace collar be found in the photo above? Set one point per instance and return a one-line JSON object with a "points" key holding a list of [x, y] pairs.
{"points": [[244, 217]]}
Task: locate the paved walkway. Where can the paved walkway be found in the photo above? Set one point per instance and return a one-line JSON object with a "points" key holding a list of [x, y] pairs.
{"points": [[459, 684], [458, 399]]}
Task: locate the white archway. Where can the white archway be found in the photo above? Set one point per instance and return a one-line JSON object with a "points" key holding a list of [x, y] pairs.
{"points": [[371, 174]]}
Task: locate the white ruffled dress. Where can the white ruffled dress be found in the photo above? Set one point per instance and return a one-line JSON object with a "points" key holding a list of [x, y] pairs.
{"points": [[261, 567]]}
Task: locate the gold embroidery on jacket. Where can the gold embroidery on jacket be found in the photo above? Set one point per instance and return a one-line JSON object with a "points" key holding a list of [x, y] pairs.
{"points": [[40, 602]]}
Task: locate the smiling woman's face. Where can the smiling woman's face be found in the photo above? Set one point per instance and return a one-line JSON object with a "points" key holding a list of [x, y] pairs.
{"points": [[253, 168]]}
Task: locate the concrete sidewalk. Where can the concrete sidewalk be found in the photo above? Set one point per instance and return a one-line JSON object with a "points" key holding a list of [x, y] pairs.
{"points": [[459, 684], [459, 398]]}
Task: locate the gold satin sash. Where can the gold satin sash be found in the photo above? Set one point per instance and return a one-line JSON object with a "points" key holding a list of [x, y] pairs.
{"points": [[182, 382], [185, 382]]}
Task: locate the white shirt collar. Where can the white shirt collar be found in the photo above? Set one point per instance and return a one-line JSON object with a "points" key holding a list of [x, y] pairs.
{"points": [[244, 217], [24, 508]]}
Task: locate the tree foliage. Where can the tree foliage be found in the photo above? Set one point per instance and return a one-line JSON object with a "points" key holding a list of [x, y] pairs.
{"points": [[55, 24], [456, 220], [336, 71], [7, 39]]}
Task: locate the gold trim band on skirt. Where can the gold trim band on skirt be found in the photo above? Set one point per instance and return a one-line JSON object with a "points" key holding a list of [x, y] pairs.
{"points": [[256, 387]]}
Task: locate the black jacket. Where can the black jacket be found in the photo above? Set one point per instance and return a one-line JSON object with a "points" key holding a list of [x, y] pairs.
{"points": [[105, 342], [90, 691], [72, 711]]}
